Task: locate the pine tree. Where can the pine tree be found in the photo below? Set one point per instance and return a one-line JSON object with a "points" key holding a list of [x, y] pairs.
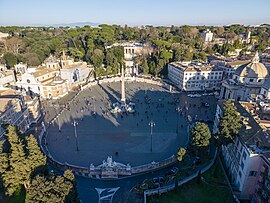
{"points": [[3, 159], [230, 123], [145, 66], [35, 157], [23, 157], [17, 172]]}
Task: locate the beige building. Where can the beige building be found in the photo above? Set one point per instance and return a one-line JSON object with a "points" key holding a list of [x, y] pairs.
{"points": [[7, 79], [193, 76], [13, 110], [246, 82], [45, 81]]}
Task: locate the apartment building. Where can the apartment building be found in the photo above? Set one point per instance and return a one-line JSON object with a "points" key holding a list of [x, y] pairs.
{"points": [[194, 76]]}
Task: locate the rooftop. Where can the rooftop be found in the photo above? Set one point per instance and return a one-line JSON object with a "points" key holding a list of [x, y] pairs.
{"points": [[195, 66], [8, 98]]}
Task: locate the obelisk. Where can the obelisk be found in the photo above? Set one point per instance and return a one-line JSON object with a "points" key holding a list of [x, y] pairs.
{"points": [[123, 95]]}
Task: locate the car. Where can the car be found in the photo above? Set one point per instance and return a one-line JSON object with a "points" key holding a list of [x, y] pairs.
{"points": [[174, 170], [158, 180]]}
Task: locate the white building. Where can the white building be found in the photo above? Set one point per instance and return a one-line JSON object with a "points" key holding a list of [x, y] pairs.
{"points": [[243, 156], [20, 68], [246, 37], [230, 67], [193, 76], [246, 82], [207, 36], [131, 51], [74, 72]]}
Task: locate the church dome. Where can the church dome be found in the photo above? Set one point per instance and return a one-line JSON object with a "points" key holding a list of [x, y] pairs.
{"points": [[254, 69]]}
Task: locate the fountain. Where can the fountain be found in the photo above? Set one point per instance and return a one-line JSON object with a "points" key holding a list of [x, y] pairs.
{"points": [[123, 106]]}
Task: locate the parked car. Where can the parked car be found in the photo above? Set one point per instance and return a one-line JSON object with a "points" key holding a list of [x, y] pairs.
{"points": [[158, 180], [174, 170]]}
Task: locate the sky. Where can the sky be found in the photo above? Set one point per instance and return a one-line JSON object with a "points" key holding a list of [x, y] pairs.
{"points": [[135, 12]]}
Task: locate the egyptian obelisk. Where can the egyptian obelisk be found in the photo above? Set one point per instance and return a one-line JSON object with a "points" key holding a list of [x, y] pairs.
{"points": [[123, 95]]}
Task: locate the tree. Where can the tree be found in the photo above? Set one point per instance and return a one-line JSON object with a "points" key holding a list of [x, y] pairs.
{"points": [[10, 59], [201, 135], [152, 67], [230, 123], [31, 59], [36, 159], [97, 58], [180, 154], [145, 66], [20, 161], [73, 194], [53, 189], [17, 172]]}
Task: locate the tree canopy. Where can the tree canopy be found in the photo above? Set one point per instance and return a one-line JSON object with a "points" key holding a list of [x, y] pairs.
{"points": [[230, 122], [201, 135]]}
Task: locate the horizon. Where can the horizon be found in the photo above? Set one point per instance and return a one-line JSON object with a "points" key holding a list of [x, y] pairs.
{"points": [[119, 12]]}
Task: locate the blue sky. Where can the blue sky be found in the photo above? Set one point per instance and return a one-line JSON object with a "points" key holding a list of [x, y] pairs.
{"points": [[135, 12]]}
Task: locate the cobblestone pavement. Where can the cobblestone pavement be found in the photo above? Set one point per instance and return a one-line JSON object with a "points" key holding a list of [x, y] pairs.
{"points": [[126, 138], [102, 135]]}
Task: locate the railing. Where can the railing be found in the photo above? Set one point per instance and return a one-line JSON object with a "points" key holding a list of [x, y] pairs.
{"points": [[93, 171], [171, 186]]}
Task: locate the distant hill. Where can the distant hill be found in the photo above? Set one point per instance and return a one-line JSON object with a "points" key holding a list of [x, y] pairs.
{"points": [[79, 24]]}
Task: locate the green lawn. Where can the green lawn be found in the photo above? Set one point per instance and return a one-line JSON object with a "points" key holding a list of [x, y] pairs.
{"points": [[215, 190]]}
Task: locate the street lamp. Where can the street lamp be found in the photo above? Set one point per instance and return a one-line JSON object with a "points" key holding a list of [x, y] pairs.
{"points": [[151, 124], [178, 110], [58, 114], [75, 133]]}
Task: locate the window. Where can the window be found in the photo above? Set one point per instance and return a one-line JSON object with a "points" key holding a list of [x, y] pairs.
{"points": [[252, 173], [245, 155], [28, 81], [251, 80]]}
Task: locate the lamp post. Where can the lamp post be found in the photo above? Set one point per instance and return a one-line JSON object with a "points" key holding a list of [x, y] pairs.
{"points": [[151, 124], [76, 135], [178, 110], [58, 114]]}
